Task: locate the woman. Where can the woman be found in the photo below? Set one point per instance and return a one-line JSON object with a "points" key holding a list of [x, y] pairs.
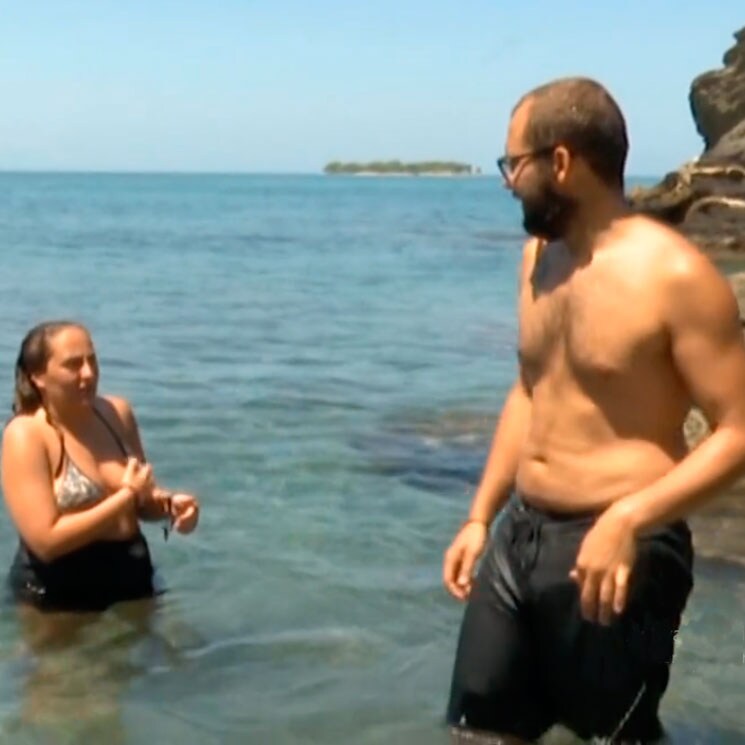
{"points": [[76, 481]]}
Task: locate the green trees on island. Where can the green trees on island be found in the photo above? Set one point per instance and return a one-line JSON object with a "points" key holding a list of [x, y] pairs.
{"points": [[398, 167]]}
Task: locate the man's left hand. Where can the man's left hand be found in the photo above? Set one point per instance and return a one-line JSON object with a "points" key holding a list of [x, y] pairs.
{"points": [[603, 566]]}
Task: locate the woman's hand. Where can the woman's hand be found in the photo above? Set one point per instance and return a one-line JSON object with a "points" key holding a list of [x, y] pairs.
{"points": [[184, 512], [137, 482], [138, 478]]}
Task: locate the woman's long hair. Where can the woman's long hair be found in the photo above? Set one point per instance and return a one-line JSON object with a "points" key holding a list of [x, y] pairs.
{"points": [[32, 360]]}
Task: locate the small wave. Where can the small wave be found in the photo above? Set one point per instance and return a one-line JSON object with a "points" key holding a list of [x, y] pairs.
{"points": [[305, 642]]}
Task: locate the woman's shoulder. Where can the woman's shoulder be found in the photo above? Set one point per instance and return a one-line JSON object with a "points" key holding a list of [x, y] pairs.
{"points": [[118, 412], [115, 405], [25, 429]]}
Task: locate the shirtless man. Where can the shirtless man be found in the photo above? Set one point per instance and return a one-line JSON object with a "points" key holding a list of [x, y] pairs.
{"points": [[623, 325]]}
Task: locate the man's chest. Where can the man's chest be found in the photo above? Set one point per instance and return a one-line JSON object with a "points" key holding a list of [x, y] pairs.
{"points": [[594, 322]]}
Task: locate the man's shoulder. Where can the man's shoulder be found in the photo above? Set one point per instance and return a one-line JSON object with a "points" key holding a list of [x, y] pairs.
{"points": [[532, 249], [667, 252], [658, 236], [685, 279]]}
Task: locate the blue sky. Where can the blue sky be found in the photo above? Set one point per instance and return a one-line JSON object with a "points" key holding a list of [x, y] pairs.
{"points": [[285, 85]]}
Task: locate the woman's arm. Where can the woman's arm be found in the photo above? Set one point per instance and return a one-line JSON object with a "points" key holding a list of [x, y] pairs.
{"points": [[156, 505], [28, 491], [160, 503]]}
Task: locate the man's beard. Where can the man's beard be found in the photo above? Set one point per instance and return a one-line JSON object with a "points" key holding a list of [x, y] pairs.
{"points": [[547, 214]]}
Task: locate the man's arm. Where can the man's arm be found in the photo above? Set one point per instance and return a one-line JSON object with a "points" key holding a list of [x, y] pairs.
{"points": [[709, 354], [500, 470], [498, 476], [499, 473], [493, 491]]}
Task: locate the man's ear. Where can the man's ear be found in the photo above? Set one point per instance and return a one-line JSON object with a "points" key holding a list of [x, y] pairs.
{"points": [[562, 163]]}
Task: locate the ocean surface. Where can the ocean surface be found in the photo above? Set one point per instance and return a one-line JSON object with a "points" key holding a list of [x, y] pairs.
{"points": [[322, 361]]}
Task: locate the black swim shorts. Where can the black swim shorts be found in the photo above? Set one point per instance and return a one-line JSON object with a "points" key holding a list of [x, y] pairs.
{"points": [[527, 660]]}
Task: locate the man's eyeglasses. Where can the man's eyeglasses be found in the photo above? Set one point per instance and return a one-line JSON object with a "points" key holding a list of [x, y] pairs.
{"points": [[508, 164]]}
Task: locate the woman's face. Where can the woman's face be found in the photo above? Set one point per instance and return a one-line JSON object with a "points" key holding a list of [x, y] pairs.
{"points": [[71, 375]]}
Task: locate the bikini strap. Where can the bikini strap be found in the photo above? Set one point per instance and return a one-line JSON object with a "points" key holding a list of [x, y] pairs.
{"points": [[63, 452], [125, 450], [61, 438]]}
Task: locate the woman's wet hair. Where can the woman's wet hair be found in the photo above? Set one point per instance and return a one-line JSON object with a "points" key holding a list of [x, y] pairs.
{"points": [[33, 357]]}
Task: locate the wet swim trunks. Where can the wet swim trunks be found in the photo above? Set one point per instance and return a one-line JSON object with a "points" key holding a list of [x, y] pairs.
{"points": [[527, 660]]}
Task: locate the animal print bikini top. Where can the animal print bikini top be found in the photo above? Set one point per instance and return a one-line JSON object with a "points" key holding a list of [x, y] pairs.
{"points": [[75, 489]]}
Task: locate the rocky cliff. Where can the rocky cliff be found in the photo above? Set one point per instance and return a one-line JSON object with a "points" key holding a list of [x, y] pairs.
{"points": [[718, 97], [705, 199]]}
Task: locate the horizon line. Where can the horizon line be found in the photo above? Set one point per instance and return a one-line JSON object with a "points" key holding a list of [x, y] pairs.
{"points": [[188, 172]]}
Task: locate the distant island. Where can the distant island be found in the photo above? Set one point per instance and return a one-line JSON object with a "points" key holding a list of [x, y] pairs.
{"points": [[397, 168]]}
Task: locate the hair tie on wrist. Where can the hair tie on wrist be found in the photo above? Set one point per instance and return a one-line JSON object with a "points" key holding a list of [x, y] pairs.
{"points": [[475, 520]]}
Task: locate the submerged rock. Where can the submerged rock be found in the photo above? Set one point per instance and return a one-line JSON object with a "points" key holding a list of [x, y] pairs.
{"points": [[719, 527]]}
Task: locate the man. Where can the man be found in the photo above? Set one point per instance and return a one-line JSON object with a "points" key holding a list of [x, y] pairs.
{"points": [[623, 325]]}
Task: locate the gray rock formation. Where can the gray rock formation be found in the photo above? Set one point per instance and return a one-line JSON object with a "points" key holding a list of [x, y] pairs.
{"points": [[706, 199], [717, 98]]}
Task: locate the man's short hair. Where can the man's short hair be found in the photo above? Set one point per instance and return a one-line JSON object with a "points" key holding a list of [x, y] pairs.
{"points": [[581, 114]]}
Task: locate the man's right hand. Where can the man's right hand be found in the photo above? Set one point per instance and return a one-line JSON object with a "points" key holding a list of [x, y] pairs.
{"points": [[461, 557]]}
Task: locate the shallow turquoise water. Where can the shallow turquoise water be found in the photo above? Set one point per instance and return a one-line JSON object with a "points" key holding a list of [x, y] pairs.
{"points": [[322, 361]]}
